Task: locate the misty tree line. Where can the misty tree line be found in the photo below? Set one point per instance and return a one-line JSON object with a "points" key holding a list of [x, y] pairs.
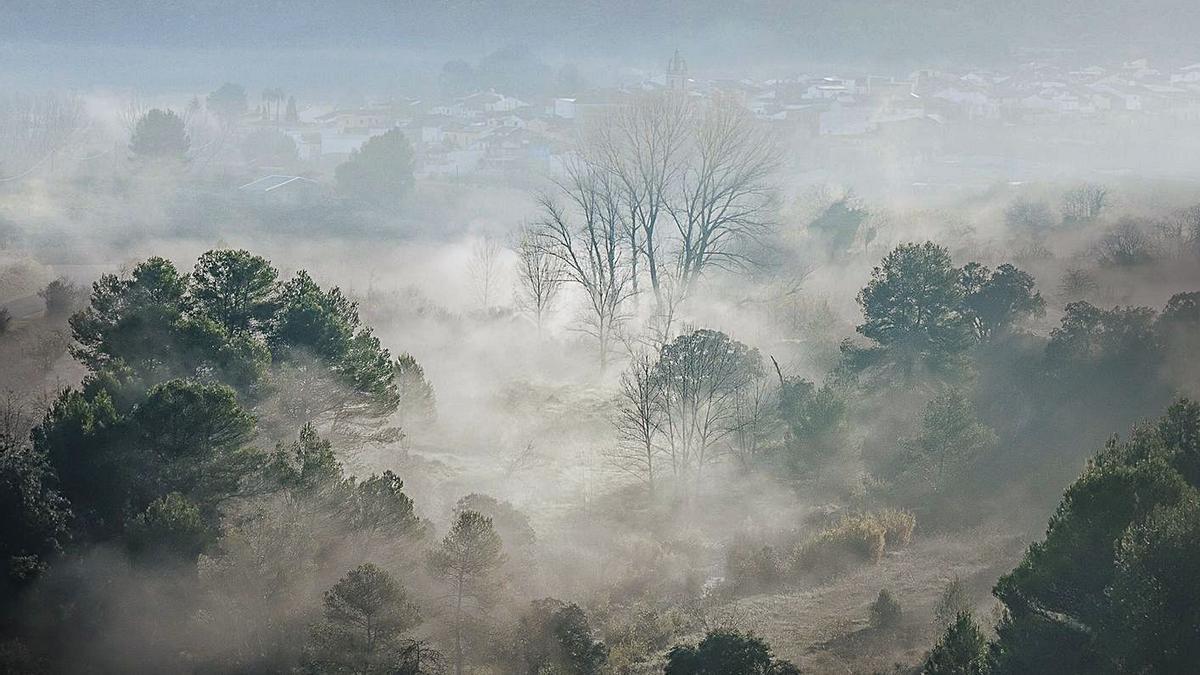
{"points": [[658, 192], [377, 175], [156, 453], [271, 559], [958, 332]]}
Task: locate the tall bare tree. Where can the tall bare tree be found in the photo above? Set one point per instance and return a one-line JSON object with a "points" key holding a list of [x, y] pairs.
{"points": [[585, 235], [643, 147], [725, 195], [705, 168]]}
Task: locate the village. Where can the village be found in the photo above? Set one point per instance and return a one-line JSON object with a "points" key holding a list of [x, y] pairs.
{"points": [[935, 126]]}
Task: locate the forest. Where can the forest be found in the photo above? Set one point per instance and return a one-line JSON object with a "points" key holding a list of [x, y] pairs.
{"points": [[688, 392]]}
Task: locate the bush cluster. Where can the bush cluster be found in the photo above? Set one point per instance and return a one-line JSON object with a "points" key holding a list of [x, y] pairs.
{"points": [[855, 539]]}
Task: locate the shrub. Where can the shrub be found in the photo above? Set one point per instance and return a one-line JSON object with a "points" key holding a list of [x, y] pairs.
{"points": [[885, 611], [5, 320], [753, 568], [855, 539], [898, 527]]}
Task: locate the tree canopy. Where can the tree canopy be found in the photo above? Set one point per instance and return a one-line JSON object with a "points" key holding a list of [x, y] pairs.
{"points": [[160, 134], [379, 173], [726, 651], [1110, 588]]}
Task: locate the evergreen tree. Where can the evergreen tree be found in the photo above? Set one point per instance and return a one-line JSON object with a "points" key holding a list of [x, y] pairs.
{"points": [[962, 650], [365, 615], [465, 561], [160, 134], [379, 173]]}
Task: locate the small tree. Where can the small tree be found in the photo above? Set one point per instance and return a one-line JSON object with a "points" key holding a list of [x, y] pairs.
{"points": [[468, 556], [951, 438], [585, 232], [952, 602], [170, 529], [815, 420], [962, 650], [885, 611], [45, 349], [379, 173], [540, 276], [639, 421], [34, 517], [270, 147], [553, 636], [60, 297], [1127, 244], [702, 374], [160, 134], [1077, 284], [364, 616]]}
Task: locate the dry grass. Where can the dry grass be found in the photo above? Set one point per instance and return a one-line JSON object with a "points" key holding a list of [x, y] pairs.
{"points": [[825, 628]]}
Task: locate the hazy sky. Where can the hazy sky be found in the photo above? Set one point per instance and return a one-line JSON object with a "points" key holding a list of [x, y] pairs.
{"points": [[120, 42]]}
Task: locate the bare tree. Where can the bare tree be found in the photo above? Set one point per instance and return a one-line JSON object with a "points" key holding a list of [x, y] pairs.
{"points": [[539, 277], [725, 195], [1026, 215], [34, 128], [703, 168], [131, 111], [753, 418], [1189, 219], [662, 324], [586, 237], [1077, 284], [484, 267], [1084, 202], [639, 421], [522, 459], [16, 420], [1125, 244], [643, 147]]}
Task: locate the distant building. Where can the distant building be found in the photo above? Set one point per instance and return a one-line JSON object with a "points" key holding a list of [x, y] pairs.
{"points": [[677, 73]]}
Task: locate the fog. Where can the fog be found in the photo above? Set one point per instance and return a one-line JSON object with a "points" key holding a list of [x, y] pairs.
{"points": [[576, 337]]}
